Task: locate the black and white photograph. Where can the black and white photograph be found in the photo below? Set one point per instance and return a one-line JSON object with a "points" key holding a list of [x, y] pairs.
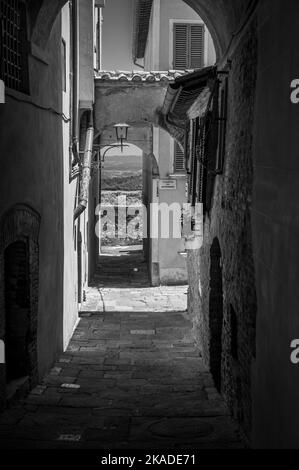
{"points": [[149, 230]]}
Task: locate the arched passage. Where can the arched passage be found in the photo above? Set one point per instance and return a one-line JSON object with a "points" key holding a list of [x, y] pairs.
{"points": [[130, 97], [216, 312], [140, 138]]}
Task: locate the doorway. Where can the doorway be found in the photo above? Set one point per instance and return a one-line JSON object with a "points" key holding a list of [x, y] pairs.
{"points": [[122, 258], [17, 311]]}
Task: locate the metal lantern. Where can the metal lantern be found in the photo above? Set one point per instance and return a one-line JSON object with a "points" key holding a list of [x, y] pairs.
{"points": [[121, 133]]}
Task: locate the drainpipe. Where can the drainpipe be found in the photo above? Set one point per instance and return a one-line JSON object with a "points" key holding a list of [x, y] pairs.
{"points": [[86, 169], [138, 65], [75, 130]]}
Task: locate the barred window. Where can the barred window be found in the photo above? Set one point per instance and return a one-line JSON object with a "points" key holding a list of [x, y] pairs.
{"points": [[14, 46]]}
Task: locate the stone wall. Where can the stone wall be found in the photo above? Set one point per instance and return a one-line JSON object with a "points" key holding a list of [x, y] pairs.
{"points": [[229, 223]]}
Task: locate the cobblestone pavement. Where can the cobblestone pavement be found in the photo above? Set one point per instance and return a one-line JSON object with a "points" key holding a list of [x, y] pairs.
{"points": [[129, 379], [124, 269]]}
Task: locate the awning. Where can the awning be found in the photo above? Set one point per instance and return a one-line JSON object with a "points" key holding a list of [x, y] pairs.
{"points": [[185, 99]]}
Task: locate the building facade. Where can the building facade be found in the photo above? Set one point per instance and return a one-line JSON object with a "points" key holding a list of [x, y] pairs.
{"points": [[44, 265], [177, 40]]}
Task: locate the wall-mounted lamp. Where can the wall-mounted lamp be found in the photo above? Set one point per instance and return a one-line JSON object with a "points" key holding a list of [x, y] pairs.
{"points": [[121, 134]]}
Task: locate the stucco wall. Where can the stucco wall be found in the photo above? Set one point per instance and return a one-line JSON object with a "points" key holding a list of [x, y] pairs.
{"points": [[159, 49], [172, 265], [177, 10], [34, 156], [70, 305]]}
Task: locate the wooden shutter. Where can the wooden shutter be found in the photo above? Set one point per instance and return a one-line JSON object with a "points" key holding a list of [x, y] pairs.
{"points": [[188, 46], [179, 159], [193, 174], [180, 47], [197, 43]]}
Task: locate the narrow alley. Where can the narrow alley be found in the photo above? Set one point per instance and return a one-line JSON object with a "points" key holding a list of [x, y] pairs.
{"points": [[149, 224], [130, 378]]}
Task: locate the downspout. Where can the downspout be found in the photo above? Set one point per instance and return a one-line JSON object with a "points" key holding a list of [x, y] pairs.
{"points": [[138, 65], [86, 169], [75, 130]]}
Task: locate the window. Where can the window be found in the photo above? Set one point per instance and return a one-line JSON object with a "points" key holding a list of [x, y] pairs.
{"points": [[188, 46], [14, 46], [179, 159]]}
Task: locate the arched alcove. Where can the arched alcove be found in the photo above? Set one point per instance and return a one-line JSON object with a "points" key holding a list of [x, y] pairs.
{"points": [[216, 312], [19, 279]]}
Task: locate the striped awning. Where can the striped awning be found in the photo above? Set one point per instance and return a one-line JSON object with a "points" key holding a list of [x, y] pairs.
{"points": [[182, 96]]}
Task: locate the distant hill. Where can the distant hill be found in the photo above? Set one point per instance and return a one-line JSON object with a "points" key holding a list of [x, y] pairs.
{"points": [[122, 173], [132, 163], [130, 182]]}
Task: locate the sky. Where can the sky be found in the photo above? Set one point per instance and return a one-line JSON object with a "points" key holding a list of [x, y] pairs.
{"points": [[118, 35]]}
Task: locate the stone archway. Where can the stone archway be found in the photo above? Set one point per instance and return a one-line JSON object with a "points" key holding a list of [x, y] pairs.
{"points": [[134, 98], [222, 17], [140, 135], [43, 15], [19, 279]]}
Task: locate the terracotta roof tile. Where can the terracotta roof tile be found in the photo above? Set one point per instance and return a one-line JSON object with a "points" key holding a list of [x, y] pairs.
{"points": [[137, 76]]}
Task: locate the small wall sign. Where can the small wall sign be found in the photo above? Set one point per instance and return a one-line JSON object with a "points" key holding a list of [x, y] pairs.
{"points": [[2, 352], [169, 184], [2, 92]]}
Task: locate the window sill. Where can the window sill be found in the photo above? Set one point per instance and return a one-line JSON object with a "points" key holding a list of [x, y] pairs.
{"points": [[19, 95]]}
